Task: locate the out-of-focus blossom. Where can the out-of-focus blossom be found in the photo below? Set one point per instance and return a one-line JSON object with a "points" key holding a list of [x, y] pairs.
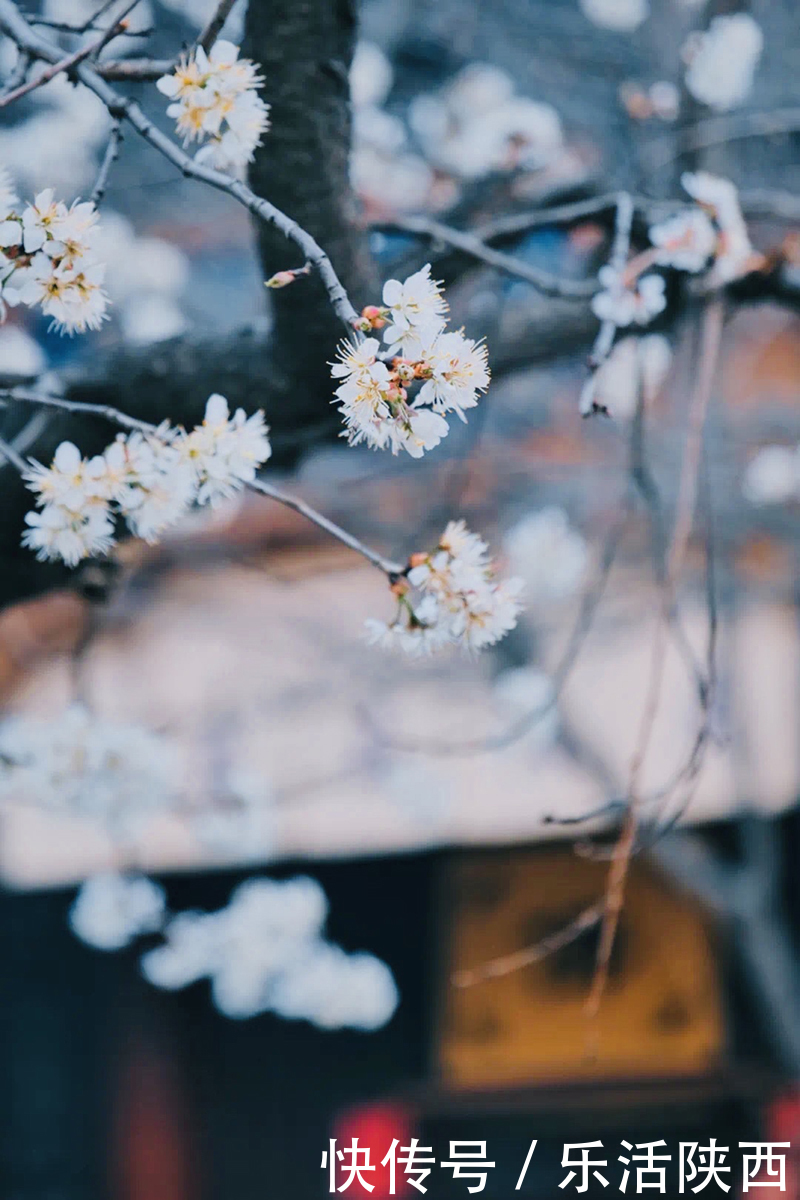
{"points": [[111, 910], [625, 304], [773, 475], [20, 355], [735, 255], [371, 76], [636, 366], [548, 554], [685, 242], [623, 16], [723, 61], [266, 952], [118, 773]]}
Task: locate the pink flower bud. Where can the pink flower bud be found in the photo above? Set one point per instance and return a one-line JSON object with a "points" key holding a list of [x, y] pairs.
{"points": [[281, 279]]}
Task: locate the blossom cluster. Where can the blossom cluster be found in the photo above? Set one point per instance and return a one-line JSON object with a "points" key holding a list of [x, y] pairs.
{"points": [[150, 479], [265, 952], [79, 764], [215, 101], [448, 370], [722, 61], [709, 236], [773, 475], [449, 596], [47, 259]]}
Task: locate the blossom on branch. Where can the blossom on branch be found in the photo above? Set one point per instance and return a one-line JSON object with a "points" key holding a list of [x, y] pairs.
{"points": [[215, 101], [450, 596], [374, 396], [48, 260], [150, 479], [735, 255], [685, 242], [623, 303]]}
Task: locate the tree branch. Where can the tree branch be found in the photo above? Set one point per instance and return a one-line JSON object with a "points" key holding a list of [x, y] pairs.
{"points": [[123, 108]]}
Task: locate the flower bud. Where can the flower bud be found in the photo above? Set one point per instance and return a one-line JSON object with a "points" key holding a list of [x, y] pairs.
{"points": [[280, 279], [376, 317], [417, 560]]}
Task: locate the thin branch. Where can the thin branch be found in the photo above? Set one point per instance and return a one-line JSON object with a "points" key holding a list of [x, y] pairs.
{"points": [[212, 29], [713, 319], [390, 568], [63, 64], [123, 108], [135, 70], [506, 964], [718, 131], [10, 454], [109, 158], [104, 411], [468, 243]]}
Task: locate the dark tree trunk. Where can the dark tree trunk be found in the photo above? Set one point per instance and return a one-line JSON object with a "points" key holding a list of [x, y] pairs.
{"points": [[305, 49]]}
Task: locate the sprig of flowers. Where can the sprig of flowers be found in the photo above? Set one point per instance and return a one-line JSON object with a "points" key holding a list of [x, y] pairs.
{"points": [[150, 479], [449, 596], [47, 259], [447, 370], [215, 101]]}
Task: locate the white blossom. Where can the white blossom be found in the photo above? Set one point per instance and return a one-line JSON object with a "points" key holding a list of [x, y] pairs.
{"points": [[215, 100], [370, 75], [773, 475], [623, 16], [56, 269], [417, 312], [110, 910], [723, 60], [734, 252], [636, 368], [549, 555], [686, 241], [624, 304], [57, 533], [78, 763], [225, 451], [455, 599], [150, 479], [265, 952], [458, 372]]}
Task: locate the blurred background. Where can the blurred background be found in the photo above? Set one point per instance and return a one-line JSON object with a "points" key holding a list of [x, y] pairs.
{"points": [[428, 798]]}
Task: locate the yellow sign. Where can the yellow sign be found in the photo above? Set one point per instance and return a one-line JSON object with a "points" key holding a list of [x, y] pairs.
{"points": [[661, 1014]]}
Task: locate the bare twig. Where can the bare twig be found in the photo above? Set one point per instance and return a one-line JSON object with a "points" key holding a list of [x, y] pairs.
{"points": [[468, 243], [687, 495], [105, 411], [10, 454], [718, 131], [63, 64], [212, 29], [109, 158], [123, 108], [506, 964], [135, 70]]}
